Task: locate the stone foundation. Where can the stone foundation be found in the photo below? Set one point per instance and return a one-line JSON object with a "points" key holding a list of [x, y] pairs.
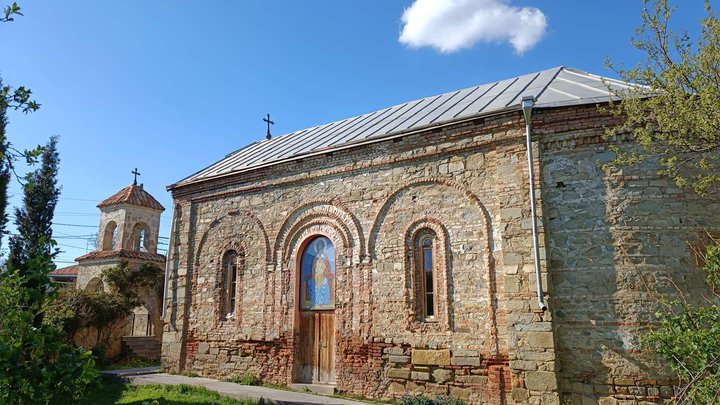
{"points": [[462, 374]]}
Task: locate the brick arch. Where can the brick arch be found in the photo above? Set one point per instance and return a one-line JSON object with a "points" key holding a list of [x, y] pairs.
{"points": [[240, 249], [320, 226], [235, 214], [202, 250], [443, 276], [372, 235], [328, 227], [318, 211], [486, 229]]}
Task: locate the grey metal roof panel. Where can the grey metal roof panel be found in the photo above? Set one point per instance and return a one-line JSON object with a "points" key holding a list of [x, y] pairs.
{"points": [[556, 87], [462, 105]]}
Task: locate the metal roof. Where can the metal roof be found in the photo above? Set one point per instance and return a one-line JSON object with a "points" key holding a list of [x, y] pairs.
{"points": [[557, 87]]}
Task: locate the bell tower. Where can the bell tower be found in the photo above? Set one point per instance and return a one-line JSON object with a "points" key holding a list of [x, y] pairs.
{"points": [[129, 220]]}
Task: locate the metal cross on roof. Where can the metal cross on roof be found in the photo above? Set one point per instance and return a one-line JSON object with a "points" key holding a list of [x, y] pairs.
{"points": [[268, 136], [136, 173]]}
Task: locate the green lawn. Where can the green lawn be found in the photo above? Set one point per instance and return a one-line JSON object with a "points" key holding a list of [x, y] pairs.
{"points": [[114, 393]]}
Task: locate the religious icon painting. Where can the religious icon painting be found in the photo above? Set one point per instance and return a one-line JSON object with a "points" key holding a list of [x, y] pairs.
{"points": [[317, 275]]}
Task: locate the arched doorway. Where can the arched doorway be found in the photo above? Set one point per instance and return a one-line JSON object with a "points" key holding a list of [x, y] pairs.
{"points": [[316, 303]]}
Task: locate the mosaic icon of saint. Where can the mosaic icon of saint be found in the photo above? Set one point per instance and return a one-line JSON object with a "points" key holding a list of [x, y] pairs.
{"points": [[318, 275]]}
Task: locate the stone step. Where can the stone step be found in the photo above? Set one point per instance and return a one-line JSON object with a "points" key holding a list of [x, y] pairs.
{"points": [[325, 389], [146, 346]]}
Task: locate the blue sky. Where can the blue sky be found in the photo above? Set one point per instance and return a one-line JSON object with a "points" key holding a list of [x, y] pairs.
{"points": [[172, 86]]}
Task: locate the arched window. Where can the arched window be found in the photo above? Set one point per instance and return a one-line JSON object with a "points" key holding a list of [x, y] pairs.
{"points": [[109, 236], [426, 275], [141, 240], [230, 274], [138, 238], [317, 275]]}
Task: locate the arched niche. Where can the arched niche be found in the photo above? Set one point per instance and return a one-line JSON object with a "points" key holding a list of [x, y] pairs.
{"points": [[95, 285]]}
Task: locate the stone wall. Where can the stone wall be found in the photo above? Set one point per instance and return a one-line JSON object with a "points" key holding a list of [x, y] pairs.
{"points": [[617, 240]]}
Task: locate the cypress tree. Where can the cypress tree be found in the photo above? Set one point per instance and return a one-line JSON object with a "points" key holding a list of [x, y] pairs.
{"points": [[4, 172], [34, 217]]}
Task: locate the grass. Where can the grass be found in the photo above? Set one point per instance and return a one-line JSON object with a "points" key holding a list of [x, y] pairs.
{"points": [[362, 398], [115, 393], [247, 379]]}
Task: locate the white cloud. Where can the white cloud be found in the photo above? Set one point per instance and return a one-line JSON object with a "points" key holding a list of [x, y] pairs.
{"points": [[451, 25]]}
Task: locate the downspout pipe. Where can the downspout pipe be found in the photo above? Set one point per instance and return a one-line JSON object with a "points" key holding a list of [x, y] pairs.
{"points": [[527, 105]]}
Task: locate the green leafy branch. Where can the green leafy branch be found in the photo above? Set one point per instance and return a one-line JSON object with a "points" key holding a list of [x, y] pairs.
{"points": [[673, 111], [10, 11], [19, 98], [686, 336]]}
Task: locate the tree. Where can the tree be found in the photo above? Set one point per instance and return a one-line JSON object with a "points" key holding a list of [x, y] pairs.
{"points": [[37, 366], [674, 112], [673, 115], [19, 98], [4, 173], [687, 338], [34, 218]]}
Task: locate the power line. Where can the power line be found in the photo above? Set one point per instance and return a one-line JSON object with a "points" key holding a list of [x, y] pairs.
{"points": [[71, 246], [79, 199], [79, 226]]}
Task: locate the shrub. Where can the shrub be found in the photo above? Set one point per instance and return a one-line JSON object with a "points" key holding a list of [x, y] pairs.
{"points": [[687, 338], [247, 379], [37, 366]]}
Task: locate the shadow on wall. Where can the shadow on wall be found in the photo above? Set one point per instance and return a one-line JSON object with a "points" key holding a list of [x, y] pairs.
{"points": [[600, 291]]}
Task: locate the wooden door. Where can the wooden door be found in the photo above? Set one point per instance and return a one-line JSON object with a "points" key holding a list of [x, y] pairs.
{"points": [[326, 347], [316, 347]]}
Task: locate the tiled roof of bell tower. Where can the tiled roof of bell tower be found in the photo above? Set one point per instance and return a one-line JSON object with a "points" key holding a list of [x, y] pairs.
{"points": [[133, 195]]}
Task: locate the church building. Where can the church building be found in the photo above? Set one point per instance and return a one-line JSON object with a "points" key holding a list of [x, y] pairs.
{"points": [[468, 244]]}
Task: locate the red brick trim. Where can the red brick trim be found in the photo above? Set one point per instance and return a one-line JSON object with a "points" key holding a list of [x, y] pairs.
{"points": [[414, 301]]}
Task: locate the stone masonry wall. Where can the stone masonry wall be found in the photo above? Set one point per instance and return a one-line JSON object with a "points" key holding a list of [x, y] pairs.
{"points": [[467, 183], [616, 239]]}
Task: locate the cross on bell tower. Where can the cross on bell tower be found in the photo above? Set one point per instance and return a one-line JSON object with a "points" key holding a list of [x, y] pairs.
{"points": [[136, 173], [268, 136]]}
